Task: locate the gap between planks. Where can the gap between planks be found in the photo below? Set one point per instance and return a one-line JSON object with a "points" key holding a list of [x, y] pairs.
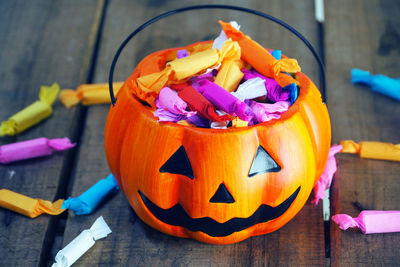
{"points": [[55, 230]]}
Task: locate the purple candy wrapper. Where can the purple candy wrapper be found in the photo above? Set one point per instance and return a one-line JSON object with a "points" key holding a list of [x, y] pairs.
{"points": [[182, 53], [275, 92], [224, 100]]}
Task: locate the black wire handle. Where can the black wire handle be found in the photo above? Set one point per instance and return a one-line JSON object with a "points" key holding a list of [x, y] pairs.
{"points": [[243, 9]]}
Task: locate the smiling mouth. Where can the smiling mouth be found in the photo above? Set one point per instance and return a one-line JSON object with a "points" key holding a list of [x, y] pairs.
{"points": [[177, 216]]}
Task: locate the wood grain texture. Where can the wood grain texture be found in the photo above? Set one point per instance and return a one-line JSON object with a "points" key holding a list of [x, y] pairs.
{"points": [[362, 34], [41, 42], [132, 243]]}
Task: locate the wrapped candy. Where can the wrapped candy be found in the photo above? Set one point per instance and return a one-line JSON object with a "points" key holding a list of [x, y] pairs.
{"points": [[210, 75], [91, 198], [251, 89], [88, 94], [179, 70], [277, 54], [292, 89], [236, 122], [82, 243], [266, 112], [182, 53], [34, 148], [199, 121], [258, 57], [378, 83], [166, 115], [325, 180], [198, 103], [219, 125], [31, 207], [33, 113], [169, 100], [219, 41], [371, 221], [372, 150], [275, 92], [224, 100], [230, 74]]}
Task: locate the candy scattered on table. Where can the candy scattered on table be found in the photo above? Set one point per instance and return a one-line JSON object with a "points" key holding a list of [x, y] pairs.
{"points": [[371, 221], [325, 180], [233, 83], [88, 94], [34, 148], [379, 83], [33, 113], [31, 207], [91, 198], [372, 150], [82, 243]]}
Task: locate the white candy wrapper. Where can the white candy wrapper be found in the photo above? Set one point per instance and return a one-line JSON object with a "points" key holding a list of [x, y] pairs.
{"points": [[82, 243], [219, 41], [251, 89], [219, 125]]}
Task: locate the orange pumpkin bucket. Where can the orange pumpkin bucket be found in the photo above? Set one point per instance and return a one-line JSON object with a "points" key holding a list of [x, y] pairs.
{"points": [[217, 186]]}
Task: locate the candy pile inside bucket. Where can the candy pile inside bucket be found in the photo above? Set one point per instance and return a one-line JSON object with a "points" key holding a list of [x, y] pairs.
{"points": [[231, 82]]}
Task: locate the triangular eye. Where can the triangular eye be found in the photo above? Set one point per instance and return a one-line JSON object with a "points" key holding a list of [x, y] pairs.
{"points": [[263, 163], [222, 195], [178, 163]]}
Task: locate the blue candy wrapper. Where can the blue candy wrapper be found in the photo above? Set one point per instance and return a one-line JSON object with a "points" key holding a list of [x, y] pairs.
{"points": [[378, 83], [292, 88], [277, 54], [89, 200]]}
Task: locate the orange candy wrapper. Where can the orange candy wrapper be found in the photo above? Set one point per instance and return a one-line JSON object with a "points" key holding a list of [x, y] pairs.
{"points": [[31, 207], [88, 94], [372, 150], [258, 57]]}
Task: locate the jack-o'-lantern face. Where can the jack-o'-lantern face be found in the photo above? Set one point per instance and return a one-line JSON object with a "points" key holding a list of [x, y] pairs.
{"points": [[217, 186]]}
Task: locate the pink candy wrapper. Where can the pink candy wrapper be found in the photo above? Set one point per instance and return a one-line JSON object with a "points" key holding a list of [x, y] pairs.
{"points": [[266, 112], [169, 100], [275, 92], [34, 148], [371, 221], [224, 100], [165, 115], [325, 180]]}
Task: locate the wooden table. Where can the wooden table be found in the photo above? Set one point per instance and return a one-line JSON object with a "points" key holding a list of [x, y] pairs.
{"points": [[73, 42]]}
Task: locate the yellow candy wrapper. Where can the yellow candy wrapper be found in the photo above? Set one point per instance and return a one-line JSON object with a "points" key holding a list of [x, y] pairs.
{"points": [[372, 150], [88, 94], [27, 206], [230, 75], [33, 113], [178, 70], [236, 122]]}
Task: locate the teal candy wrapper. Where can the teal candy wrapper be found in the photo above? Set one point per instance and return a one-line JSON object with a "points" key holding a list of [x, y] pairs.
{"points": [[379, 83], [89, 200]]}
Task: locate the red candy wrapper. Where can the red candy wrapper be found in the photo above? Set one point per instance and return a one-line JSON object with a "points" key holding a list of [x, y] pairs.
{"points": [[197, 102]]}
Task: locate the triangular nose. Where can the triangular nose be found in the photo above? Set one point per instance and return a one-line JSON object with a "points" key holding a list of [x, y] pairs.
{"points": [[222, 195]]}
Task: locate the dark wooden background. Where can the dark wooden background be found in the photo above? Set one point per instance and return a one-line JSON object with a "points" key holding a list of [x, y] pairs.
{"points": [[73, 42]]}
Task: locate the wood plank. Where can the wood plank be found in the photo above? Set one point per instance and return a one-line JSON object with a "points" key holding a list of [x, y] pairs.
{"points": [[362, 34], [41, 42], [132, 243]]}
